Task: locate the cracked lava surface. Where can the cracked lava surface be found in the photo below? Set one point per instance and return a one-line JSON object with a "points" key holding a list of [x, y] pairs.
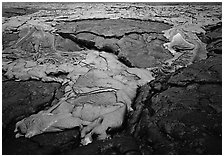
{"points": [[103, 62]]}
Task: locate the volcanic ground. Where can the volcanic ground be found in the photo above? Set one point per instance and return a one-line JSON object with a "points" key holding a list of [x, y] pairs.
{"points": [[111, 78]]}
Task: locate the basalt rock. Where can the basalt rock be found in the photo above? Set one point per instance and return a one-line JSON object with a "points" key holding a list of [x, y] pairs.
{"points": [[62, 141], [25, 147], [21, 99], [139, 42], [66, 44], [185, 118], [8, 39], [120, 145], [51, 143], [214, 39], [95, 51], [17, 11]]}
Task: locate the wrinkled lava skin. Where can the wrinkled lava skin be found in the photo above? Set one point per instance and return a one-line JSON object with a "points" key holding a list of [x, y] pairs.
{"points": [[95, 98], [102, 58]]}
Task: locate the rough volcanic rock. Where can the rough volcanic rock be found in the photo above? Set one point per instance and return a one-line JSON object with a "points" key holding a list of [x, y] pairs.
{"points": [[121, 145], [17, 11], [25, 147], [21, 99], [186, 117], [112, 27], [185, 45], [213, 37], [170, 13], [139, 42], [8, 39], [50, 143], [144, 95], [63, 141], [65, 44], [144, 50], [100, 86], [207, 71], [178, 114]]}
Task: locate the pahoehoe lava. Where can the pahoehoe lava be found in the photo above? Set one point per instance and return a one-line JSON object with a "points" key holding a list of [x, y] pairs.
{"points": [[111, 78]]}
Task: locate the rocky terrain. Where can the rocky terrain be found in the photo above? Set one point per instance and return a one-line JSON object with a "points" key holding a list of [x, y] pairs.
{"points": [[112, 78]]}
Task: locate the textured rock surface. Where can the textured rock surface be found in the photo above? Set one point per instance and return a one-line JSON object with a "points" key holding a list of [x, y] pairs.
{"points": [[121, 145], [83, 102], [185, 118], [21, 99], [95, 50], [213, 38], [25, 147], [51, 143], [130, 39]]}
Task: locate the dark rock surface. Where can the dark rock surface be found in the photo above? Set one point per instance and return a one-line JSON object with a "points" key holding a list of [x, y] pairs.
{"points": [[45, 144], [25, 147], [185, 118], [20, 99], [213, 38], [65, 44], [8, 39], [60, 140], [177, 113], [204, 72], [120, 145], [17, 11], [138, 41]]}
